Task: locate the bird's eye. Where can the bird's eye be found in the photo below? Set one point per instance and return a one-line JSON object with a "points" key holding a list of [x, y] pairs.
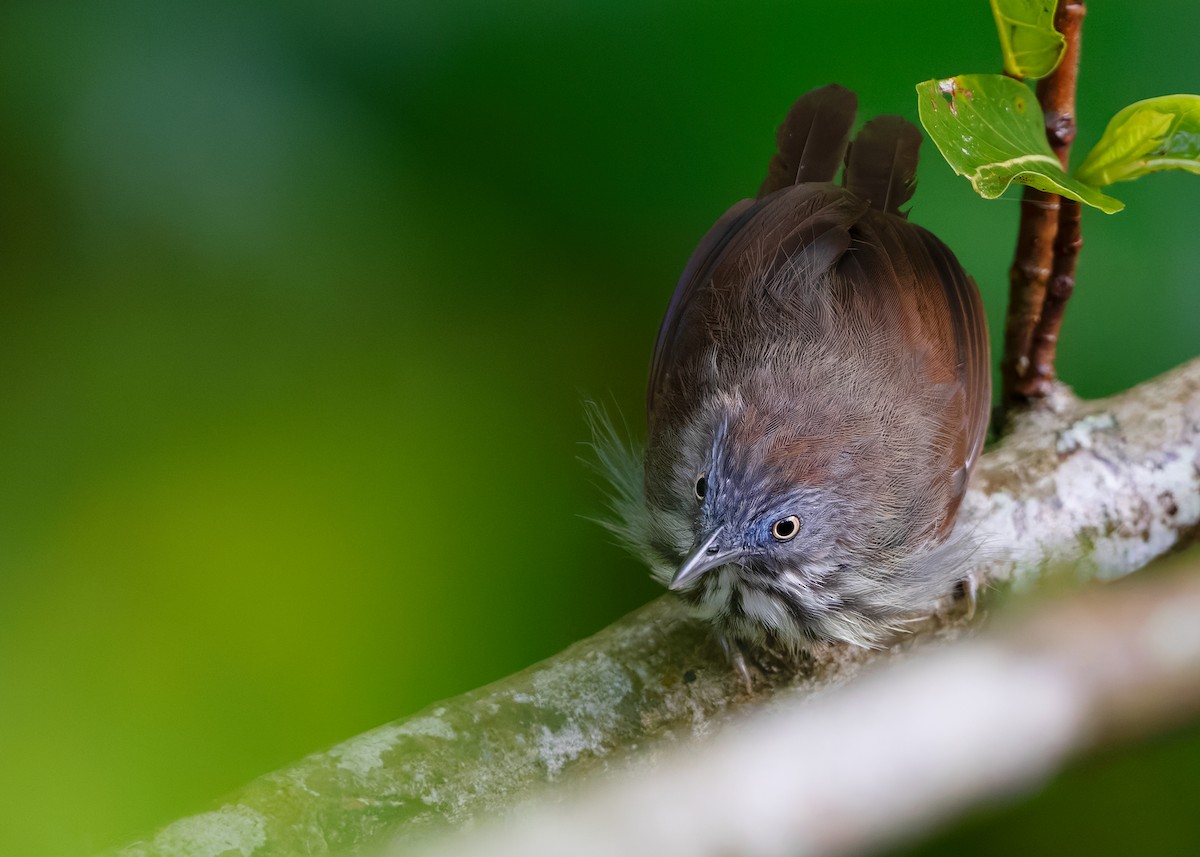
{"points": [[785, 528], [701, 486]]}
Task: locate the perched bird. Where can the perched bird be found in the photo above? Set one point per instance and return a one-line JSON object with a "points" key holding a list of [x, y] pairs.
{"points": [[818, 395]]}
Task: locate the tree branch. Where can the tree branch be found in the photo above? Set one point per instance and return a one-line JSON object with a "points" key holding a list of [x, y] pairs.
{"points": [[899, 750], [1107, 485]]}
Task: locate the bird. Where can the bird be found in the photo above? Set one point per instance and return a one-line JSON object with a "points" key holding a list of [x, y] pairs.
{"points": [[818, 395]]}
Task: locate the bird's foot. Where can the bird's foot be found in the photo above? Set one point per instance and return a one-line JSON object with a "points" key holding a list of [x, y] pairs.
{"points": [[751, 662], [968, 593], [736, 655]]}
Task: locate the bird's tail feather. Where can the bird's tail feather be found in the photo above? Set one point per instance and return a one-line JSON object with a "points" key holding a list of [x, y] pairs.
{"points": [[812, 140], [881, 164]]}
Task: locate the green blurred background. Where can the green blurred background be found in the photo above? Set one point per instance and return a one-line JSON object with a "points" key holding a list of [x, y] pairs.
{"points": [[298, 304]]}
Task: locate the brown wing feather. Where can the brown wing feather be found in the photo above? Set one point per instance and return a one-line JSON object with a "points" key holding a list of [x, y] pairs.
{"points": [[971, 332], [811, 146], [881, 168], [808, 226], [696, 272], [945, 312]]}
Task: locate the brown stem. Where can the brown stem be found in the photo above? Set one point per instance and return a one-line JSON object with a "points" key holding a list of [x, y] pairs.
{"points": [[1027, 280], [1056, 91], [1042, 275], [1067, 243]]}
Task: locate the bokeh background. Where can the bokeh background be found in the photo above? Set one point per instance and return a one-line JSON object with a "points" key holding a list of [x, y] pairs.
{"points": [[298, 306]]}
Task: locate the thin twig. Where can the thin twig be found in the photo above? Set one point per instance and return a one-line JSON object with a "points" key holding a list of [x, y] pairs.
{"points": [[1056, 91], [1040, 282], [1027, 280], [1044, 345]]}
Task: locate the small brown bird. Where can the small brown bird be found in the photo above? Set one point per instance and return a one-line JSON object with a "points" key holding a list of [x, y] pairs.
{"points": [[818, 395]]}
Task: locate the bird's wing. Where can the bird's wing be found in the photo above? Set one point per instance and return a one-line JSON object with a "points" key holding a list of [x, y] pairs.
{"points": [[811, 145], [881, 168], [806, 227], [937, 307], [969, 323]]}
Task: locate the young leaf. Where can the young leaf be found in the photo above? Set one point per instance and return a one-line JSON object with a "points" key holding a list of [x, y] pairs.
{"points": [[1156, 134], [989, 128], [1028, 40]]}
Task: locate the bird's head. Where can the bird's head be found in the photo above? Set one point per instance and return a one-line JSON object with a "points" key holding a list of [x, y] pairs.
{"points": [[742, 489]]}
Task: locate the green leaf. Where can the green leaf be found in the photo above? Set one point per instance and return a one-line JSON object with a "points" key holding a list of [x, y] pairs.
{"points": [[1156, 134], [989, 128], [1028, 40]]}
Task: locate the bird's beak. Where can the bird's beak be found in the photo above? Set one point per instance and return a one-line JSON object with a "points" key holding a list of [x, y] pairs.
{"points": [[706, 554]]}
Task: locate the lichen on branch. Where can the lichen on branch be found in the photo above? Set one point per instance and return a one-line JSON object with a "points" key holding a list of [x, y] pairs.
{"points": [[1106, 485]]}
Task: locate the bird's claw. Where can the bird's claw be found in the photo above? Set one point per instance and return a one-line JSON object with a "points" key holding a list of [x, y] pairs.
{"points": [[969, 587]]}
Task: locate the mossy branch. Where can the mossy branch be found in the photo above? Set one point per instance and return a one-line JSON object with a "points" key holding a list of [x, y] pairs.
{"points": [[902, 748], [1106, 486]]}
